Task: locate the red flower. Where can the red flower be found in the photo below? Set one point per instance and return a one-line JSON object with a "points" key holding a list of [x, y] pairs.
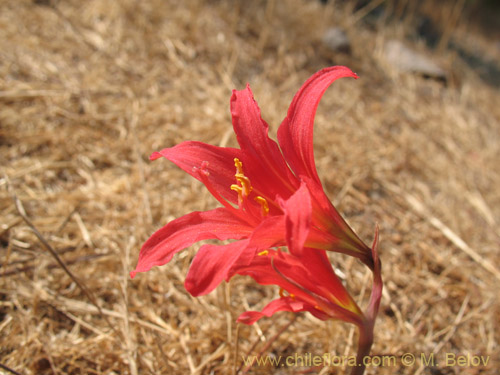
{"points": [[272, 197], [306, 275], [254, 184], [310, 281]]}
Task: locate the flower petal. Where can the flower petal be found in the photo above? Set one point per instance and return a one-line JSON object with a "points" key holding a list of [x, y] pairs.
{"points": [[313, 271], [295, 134], [310, 279], [251, 130], [281, 304], [269, 233], [263, 161], [212, 264], [186, 230], [334, 234], [216, 163], [262, 270], [298, 211]]}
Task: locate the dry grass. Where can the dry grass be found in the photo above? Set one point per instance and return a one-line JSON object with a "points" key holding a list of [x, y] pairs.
{"points": [[89, 89]]}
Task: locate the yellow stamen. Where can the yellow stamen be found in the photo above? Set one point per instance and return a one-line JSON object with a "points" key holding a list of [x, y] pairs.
{"points": [[282, 293], [239, 166], [265, 252], [237, 189], [245, 183], [263, 204], [244, 188]]}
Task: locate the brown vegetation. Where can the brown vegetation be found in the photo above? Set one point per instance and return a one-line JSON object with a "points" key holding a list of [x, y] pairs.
{"points": [[89, 89]]}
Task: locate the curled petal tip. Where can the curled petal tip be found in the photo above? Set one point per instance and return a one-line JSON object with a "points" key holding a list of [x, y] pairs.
{"points": [[246, 319], [155, 155]]}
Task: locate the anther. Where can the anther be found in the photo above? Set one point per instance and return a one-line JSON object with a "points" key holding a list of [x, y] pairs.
{"points": [[239, 166], [263, 204], [245, 183], [282, 293], [245, 187]]}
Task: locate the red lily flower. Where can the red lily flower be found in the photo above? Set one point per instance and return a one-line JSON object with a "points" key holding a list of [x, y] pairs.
{"points": [[274, 199], [310, 281], [254, 211], [306, 275]]}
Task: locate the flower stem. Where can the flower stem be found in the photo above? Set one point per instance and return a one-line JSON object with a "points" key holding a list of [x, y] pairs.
{"points": [[365, 342]]}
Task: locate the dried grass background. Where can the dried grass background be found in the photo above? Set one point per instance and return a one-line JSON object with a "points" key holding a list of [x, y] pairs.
{"points": [[89, 89]]}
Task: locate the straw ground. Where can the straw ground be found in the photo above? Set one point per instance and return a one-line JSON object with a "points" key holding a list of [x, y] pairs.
{"points": [[89, 89]]}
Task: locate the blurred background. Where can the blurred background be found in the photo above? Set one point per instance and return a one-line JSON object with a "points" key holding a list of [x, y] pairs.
{"points": [[88, 90]]}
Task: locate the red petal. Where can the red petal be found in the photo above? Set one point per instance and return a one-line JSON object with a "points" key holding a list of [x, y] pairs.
{"points": [[217, 162], [331, 232], [263, 272], [269, 233], [211, 265], [251, 130], [295, 134], [281, 304], [313, 271], [262, 161], [310, 279], [186, 230], [298, 212]]}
